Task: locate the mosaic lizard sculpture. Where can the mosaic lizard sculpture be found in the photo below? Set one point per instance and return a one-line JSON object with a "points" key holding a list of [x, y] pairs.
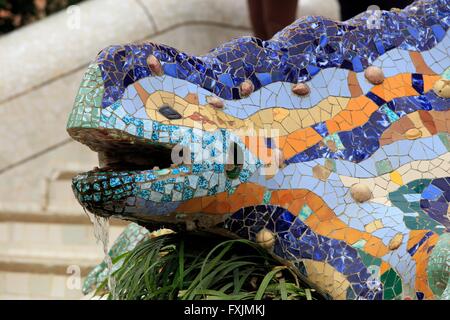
{"points": [[347, 177]]}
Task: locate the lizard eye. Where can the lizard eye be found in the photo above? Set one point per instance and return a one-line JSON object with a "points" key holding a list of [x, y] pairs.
{"points": [[169, 112], [235, 161]]}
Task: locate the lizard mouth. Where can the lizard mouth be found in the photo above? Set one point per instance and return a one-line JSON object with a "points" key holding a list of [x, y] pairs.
{"points": [[121, 152], [130, 168], [137, 177]]}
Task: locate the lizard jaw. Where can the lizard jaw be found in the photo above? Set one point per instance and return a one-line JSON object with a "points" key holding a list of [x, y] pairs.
{"points": [[127, 166], [125, 186]]}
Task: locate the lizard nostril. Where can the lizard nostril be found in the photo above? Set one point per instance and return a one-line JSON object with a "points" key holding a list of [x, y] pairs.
{"points": [[169, 112]]}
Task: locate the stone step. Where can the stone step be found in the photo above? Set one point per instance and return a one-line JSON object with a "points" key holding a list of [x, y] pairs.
{"points": [[28, 246], [30, 286], [47, 255], [52, 238]]}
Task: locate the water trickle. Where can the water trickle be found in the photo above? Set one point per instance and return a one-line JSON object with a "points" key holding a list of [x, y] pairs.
{"points": [[101, 233]]}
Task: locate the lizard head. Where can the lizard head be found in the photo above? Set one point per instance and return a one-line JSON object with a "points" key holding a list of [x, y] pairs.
{"points": [[156, 149], [348, 100]]}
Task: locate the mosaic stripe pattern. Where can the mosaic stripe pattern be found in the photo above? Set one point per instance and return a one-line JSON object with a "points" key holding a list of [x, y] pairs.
{"points": [[360, 202]]}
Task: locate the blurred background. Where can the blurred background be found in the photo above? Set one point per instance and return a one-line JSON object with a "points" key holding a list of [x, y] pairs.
{"points": [[46, 240]]}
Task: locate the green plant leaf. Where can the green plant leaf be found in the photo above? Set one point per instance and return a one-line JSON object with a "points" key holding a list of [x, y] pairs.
{"points": [[193, 266]]}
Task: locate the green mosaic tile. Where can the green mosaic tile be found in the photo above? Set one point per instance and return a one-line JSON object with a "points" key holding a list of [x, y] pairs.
{"points": [[267, 196], [369, 260], [445, 138], [446, 74], [360, 244], [335, 138], [383, 166], [439, 267], [305, 212], [392, 284], [415, 218], [392, 116], [87, 107]]}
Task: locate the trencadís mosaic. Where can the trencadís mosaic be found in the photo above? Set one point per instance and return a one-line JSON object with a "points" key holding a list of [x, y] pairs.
{"points": [[329, 145]]}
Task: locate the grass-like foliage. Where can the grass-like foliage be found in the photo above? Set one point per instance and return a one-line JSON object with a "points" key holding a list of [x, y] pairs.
{"points": [[192, 267]]}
